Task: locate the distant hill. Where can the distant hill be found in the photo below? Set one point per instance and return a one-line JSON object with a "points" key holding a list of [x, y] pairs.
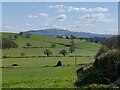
{"points": [[60, 32]]}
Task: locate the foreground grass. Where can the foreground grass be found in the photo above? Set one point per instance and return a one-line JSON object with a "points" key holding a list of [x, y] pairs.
{"points": [[43, 77], [35, 72]]}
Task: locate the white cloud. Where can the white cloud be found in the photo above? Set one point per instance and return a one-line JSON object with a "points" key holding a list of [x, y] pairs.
{"points": [[38, 15], [97, 9], [32, 16], [61, 17], [60, 10], [79, 9], [97, 17], [100, 9], [43, 15], [56, 6], [75, 26]]}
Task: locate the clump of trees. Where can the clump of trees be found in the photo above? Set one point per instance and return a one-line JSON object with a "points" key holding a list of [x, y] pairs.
{"points": [[6, 43]]}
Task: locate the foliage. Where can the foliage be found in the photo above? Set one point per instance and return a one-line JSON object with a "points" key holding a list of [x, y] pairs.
{"points": [[28, 44], [105, 69], [53, 45], [47, 52], [109, 62], [6, 43], [63, 52], [20, 33]]}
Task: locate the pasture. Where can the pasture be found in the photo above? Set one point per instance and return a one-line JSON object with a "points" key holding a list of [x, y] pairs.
{"points": [[39, 72]]}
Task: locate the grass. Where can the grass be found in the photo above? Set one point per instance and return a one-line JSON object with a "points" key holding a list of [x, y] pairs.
{"points": [[53, 77], [50, 61], [40, 72]]}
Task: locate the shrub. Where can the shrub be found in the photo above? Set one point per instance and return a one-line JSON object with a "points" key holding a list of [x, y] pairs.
{"points": [[109, 62]]}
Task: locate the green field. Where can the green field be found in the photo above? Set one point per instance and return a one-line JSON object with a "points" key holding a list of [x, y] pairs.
{"points": [[40, 71]]}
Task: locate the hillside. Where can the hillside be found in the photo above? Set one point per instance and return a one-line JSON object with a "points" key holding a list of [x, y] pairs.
{"points": [[45, 43], [37, 70]]}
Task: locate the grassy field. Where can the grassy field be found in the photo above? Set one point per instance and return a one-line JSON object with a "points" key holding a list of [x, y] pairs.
{"points": [[40, 72]]}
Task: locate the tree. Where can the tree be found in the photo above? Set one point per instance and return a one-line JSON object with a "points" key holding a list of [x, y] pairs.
{"points": [[15, 36], [47, 52], [67, 37], [72, 37], [63, 52], [53, 45], [20, 33], [72, 49], [28, 44]]}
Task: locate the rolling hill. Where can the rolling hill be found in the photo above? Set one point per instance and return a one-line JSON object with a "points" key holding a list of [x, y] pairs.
{"points": [[60, 32], [45, 42], [39, 72]]}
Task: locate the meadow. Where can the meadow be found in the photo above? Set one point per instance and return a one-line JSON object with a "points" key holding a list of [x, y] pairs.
{"points": [[39, 72]]}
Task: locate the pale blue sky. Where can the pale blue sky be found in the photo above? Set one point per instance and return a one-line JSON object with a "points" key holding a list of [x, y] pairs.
{"points": [[95, 17]]}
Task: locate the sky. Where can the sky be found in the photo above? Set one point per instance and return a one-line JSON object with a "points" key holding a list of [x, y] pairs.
{"points": [[94, 17]]}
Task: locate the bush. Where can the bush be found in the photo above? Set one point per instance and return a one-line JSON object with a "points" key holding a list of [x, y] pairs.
{"points": [[105, 69], [109, 62]]}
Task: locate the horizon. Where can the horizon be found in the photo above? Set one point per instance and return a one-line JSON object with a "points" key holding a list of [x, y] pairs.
{"points": [[59, 29], [93, 17]]}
